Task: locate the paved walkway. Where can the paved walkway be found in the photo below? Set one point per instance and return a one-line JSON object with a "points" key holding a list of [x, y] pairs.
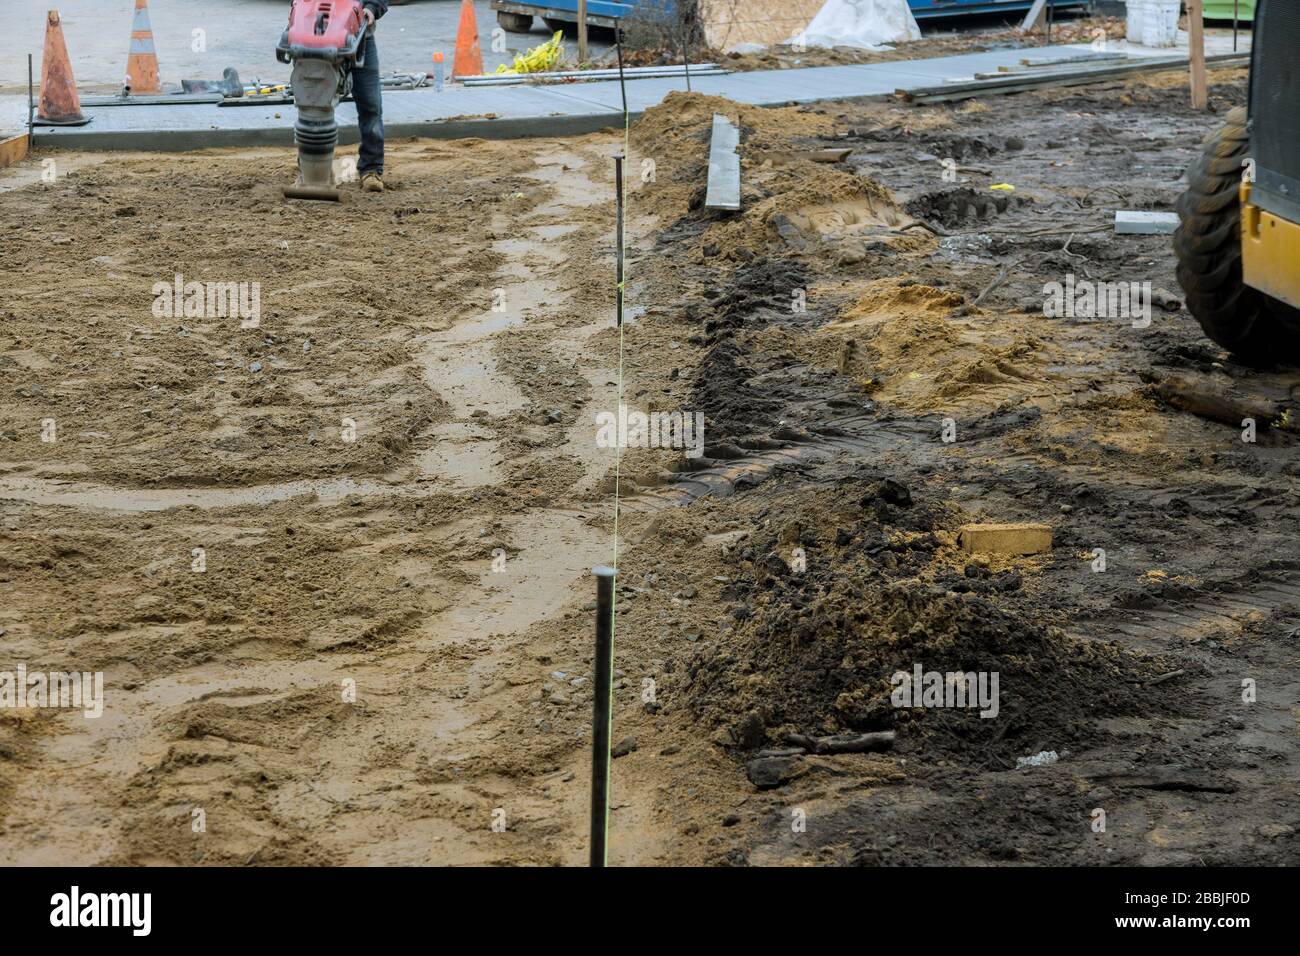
{"points": [[513, 111], [238, 33]]}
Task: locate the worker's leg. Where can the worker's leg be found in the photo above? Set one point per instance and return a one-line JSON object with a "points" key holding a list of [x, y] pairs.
{"points": [[370, 110]]}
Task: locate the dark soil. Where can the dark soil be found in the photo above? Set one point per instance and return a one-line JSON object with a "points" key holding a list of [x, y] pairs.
{"points": [[1134, 677], [831, 637]]}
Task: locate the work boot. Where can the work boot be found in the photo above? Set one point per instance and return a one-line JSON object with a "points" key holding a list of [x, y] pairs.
{"points": [[371, 182]]}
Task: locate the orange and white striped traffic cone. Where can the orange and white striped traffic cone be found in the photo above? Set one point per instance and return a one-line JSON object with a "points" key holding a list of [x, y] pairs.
{"points": [[60, 105], [142, 61]]}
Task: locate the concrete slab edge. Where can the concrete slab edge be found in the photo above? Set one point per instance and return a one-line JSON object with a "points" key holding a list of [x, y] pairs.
{"points": [[186, 140]]}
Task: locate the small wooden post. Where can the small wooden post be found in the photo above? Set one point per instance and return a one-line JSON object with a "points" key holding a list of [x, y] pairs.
{"points": [[582, 31], [1034, 18], [1196, 41]]}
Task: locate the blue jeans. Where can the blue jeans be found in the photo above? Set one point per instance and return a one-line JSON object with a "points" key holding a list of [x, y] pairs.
{"points": [[370, 109]]}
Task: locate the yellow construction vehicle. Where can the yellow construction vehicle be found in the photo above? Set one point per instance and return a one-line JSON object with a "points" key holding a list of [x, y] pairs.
{"points": [[1238, 242]]}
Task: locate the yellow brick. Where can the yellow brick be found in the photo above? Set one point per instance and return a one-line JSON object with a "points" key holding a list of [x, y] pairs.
{"points": [[1023, 538]]}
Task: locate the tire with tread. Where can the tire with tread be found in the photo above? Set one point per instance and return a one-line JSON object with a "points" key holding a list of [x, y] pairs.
{"points": [[1256, 328], [514, 22]]}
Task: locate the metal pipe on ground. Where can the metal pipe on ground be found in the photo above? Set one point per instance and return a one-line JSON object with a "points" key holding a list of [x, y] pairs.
{"points": [[528, 80], [605, 73]]}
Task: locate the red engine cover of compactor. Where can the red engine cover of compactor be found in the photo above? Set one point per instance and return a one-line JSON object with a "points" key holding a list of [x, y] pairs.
{"points": [[322, 29]]}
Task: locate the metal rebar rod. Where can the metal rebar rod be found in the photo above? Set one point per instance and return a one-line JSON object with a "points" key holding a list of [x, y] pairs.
{"points": [[31, 108], [622, 85], [686, 61], [618, 237], [602, 712], [1236, 21], [658, 73]]}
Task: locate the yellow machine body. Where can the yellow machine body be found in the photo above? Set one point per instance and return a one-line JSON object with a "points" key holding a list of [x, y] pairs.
{"points": [[1270, 252]]}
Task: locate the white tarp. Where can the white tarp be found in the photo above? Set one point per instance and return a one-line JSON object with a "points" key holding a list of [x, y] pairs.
{"points": [[868, 24]]}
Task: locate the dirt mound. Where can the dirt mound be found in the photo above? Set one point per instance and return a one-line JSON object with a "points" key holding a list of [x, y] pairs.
{"points": [[837, 214], [829, 213], [952, 207], [885, 591], [958, 146], [924, 347], [682, 119], [889, 297], [675, 135]]}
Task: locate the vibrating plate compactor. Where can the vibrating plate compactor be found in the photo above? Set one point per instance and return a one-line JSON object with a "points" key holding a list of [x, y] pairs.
{"points": [[323, 42]]}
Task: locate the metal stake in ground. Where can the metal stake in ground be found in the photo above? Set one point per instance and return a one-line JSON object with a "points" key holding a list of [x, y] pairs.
{"points": [[31, 107], [686, 58], [622, 86], [602, 711], [618, 238]]}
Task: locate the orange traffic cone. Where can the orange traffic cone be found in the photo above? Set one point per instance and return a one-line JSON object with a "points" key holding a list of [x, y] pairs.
{"points": [[60, 105], [469, 58], [142, 61]]}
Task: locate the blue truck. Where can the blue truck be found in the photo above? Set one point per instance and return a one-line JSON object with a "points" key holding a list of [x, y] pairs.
{"points": [[516, 16]]}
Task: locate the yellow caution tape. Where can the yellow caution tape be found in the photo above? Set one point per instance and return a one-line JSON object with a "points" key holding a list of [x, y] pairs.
{"points": [[540, 59]]}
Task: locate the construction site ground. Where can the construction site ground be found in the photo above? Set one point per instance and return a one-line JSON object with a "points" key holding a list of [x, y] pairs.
{"points": [[393, 485]]}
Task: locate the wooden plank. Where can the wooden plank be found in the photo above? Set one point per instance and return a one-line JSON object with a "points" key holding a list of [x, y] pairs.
{"points": [[1019, 84], [582, 31], [13, 149], [724, 166], [1196, 40], [1027, 67], [1045, 66], [1082, 58], [1034, 18]]}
